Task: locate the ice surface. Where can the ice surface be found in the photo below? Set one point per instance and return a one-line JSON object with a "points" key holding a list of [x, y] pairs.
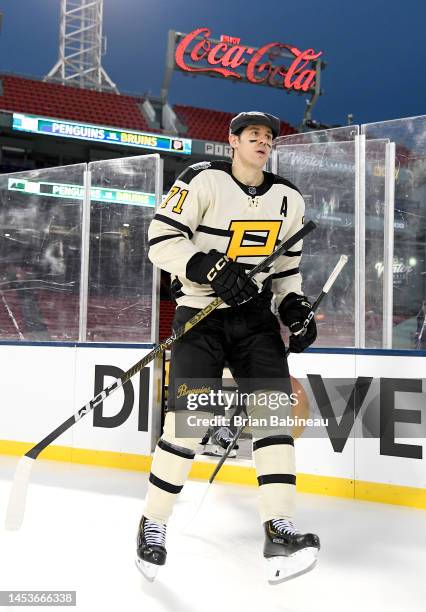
{"points": [[79, 534]]}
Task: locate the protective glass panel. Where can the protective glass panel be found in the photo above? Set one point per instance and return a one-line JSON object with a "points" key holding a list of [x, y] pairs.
{"points": [[40, 245], [120, 300], [409, 264], [346, 133], [375, 170], [324, 172]]}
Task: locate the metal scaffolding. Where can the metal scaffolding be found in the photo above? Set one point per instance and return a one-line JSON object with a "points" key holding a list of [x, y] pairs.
{"points": [[81, 46]]}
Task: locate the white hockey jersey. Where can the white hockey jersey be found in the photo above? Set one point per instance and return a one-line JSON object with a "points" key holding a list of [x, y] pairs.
{"points": [[208, 208]]}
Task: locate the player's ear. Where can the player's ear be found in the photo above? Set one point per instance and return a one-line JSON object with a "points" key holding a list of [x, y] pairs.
{"points": [[233, 140]]}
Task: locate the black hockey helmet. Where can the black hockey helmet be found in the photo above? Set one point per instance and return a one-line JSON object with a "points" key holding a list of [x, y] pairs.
{"points": [[242, 120]]}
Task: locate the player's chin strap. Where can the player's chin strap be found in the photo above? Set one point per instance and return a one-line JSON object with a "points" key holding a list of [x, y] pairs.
{"points": [[326, 288]]}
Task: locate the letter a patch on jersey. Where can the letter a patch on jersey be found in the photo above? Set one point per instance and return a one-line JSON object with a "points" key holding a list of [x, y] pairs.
{"points": [[269, 233]]}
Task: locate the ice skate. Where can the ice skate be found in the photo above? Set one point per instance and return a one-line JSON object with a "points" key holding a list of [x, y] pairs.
{"points": [[219, 441], [206, 439], [288, 553], [151, 551]]}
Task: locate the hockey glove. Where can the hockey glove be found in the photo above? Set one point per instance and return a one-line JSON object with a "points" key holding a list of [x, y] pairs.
{"points": [[293, 311], [227, 278]]}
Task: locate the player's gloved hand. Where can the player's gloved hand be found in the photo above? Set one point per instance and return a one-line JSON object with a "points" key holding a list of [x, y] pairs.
{"points": [[227, 278], [293, 311]]}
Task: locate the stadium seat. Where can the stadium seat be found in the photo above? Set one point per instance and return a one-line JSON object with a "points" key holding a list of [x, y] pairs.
{"points": [[103, 108]]}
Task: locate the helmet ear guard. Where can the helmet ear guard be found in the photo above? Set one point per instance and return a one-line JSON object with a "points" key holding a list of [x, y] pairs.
{"points": [[243, 120]]}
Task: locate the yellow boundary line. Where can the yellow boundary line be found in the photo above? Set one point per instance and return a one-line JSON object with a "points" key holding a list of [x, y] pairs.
{"points": [[306, 483]]}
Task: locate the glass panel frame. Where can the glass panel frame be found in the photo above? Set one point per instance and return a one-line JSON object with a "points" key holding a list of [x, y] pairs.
{"points": [[323, 166], [40, 253], [122, 301], [408, 190], [375, 206]]}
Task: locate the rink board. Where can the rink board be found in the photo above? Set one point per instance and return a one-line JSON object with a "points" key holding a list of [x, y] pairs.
{"points": [[44, 385], [378, 466]]}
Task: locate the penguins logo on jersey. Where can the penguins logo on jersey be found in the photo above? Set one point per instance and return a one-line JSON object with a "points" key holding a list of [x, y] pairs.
{"points": [[239, 229]]}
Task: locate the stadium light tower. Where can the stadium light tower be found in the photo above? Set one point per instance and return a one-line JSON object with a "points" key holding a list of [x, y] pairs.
{"points": [[81, 46]]}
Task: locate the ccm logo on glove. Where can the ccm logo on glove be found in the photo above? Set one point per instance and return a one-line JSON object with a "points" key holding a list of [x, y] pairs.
{"points": [[228, 279], [217, 267]]}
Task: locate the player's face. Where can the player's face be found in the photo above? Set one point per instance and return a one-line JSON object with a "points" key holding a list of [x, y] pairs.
{"points": [[253, 146]]}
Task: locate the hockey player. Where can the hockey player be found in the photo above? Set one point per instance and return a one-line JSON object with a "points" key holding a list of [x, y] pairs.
{"points": [[218, 221]]}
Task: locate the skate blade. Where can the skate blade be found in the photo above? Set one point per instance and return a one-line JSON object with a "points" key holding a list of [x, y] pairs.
{"points": [[148, 570], [218, 451], [280, 569]]}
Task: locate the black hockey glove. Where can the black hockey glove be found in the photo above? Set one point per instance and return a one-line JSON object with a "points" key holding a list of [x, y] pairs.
{"points": [[293, 311], [227, 278]]}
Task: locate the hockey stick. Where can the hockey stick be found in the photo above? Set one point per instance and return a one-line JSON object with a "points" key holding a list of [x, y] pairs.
{"points": [[326, 288], [422, 329], [16, 505], [421, 332], [10, 313]]}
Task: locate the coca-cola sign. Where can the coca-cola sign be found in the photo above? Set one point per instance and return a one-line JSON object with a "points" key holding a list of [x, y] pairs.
{"points": [[196, 53]]}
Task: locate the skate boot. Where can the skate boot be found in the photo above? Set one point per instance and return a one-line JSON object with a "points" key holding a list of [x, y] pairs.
{"points": [[288, 552], [206, 438], [217, 440], [221, 439], [151, 551]]}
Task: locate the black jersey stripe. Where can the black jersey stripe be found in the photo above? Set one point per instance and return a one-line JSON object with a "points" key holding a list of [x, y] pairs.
{"points": [[286, 273], [179, 293], [255, 238], [277, 478], [174, 223], [249, 266], [272, 440], [165, 486], [161, 238], [215, 231], [174, 450]]}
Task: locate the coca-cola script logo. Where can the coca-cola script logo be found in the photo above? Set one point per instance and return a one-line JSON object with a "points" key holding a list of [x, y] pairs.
{"points": [[230, 60]]}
